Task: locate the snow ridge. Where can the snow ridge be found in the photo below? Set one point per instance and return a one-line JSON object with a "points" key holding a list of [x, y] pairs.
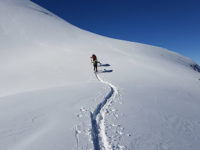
{"points": [[99, 136]]}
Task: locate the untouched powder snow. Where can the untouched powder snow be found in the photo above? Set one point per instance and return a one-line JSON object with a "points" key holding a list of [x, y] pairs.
{"points": [[143, 98]]}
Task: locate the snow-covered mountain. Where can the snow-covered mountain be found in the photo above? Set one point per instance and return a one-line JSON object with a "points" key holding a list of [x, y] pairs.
{"points": [[144, 98]]}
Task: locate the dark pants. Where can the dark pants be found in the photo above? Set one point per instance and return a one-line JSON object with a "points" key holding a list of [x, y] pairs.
{"points": [[95, 67]]}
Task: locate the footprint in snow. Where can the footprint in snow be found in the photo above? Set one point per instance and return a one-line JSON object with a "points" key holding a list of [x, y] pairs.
{"points": [[79, 115], [83, 110]]}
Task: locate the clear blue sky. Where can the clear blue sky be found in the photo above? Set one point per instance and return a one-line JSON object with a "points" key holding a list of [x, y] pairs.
{"points": [[172, 24]]}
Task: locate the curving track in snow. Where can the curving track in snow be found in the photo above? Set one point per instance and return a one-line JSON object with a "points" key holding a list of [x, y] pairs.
{"points": [[98, 131]]}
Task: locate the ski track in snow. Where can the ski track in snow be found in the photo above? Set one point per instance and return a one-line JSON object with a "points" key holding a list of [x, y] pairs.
{"points": [[98, 131], [76, 136]]}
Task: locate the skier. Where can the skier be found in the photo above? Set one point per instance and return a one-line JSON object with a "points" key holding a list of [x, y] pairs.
{"points": [[94, 61]]}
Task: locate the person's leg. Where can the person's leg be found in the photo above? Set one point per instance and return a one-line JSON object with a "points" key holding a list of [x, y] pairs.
{"points": [[95, 66], [96, 69]]}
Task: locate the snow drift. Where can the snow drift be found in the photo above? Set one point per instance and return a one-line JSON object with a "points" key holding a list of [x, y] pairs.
{"points": [[48, 89]]}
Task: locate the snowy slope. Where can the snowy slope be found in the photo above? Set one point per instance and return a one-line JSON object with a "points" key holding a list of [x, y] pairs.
{"points": [[148, 98]]}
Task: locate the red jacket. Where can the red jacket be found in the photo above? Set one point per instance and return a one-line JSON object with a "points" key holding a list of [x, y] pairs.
{"points": [[93, 57]]}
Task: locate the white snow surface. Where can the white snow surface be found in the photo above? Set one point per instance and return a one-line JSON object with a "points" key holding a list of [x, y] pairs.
{"points": [[147, 99]]}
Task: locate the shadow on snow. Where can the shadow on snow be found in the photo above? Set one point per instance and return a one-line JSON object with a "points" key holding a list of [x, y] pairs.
{"points": [[104, 65], [105, 71]]}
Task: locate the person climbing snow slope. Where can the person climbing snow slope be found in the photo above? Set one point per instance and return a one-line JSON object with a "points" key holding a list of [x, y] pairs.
{"points": [[95, 62]]}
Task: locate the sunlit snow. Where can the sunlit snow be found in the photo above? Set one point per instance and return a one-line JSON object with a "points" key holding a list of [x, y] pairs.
{"points": [[143, 98]]}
